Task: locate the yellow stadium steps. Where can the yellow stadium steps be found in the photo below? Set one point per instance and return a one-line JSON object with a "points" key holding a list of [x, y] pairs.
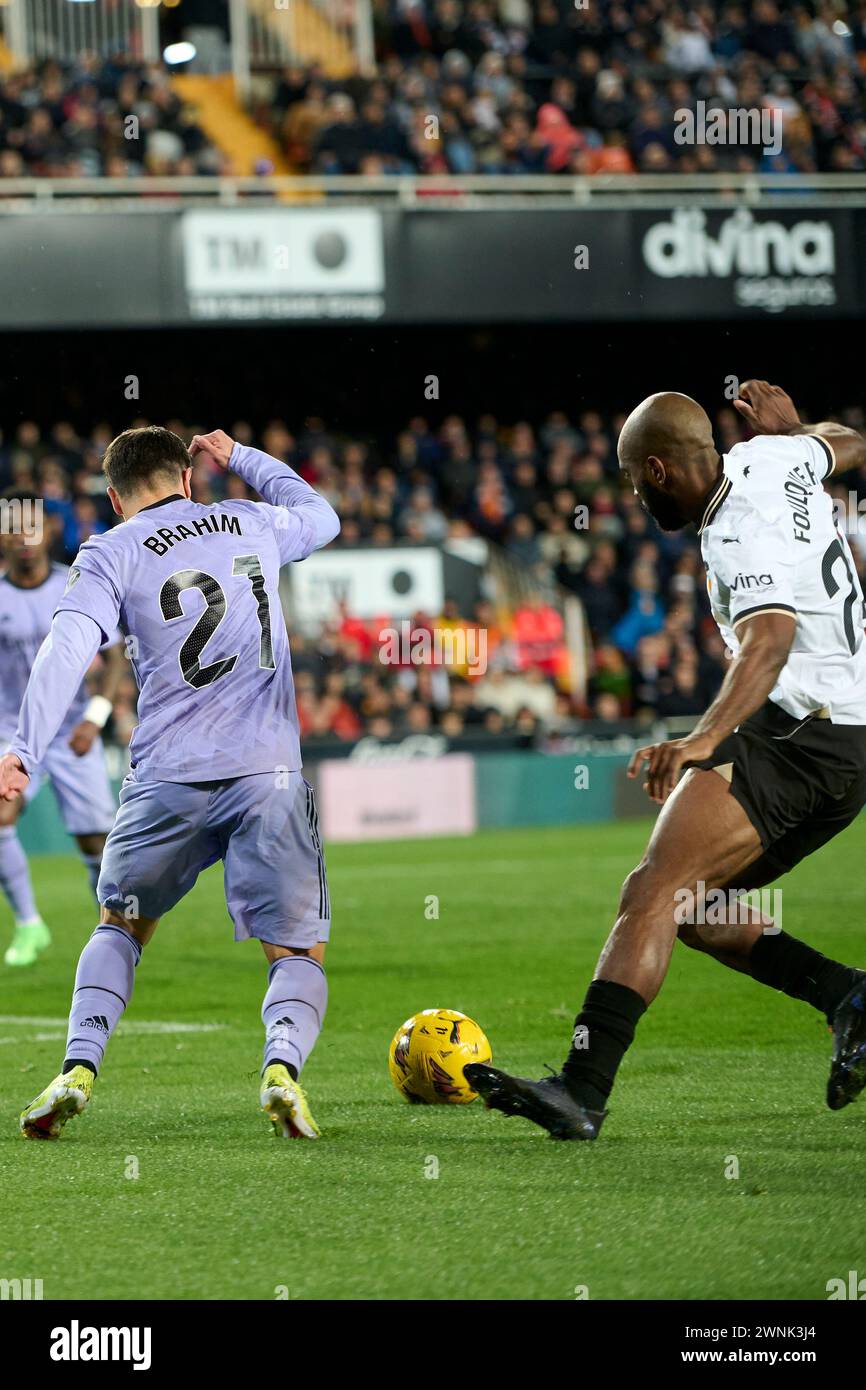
{"points": [[304, 35], [227, 125]]}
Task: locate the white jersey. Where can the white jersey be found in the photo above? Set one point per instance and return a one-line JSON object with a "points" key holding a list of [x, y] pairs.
{"points": [[770, 545]]}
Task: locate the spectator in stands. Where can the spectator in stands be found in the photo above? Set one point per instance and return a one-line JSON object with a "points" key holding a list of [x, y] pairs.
{"points": [[556, 138], [645, 613]]}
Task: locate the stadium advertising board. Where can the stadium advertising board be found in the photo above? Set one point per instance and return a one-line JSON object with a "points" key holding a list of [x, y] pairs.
{"points": [[677, 263], [288, 264], [434, 265], [747, 262], [396, 799], [398, 581]]}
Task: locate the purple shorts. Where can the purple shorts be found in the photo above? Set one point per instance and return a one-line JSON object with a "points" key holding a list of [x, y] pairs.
{"points": [[263, 827], [80, 785]]}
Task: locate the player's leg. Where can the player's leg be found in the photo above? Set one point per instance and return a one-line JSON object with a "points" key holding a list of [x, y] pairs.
{"points": [[273, 953], [91, 849], [30, 935], [103, 988], [154, 854], [754, 945], [702, 835], [802, 784], [296, 977], [757, 947], [84, 797], [104, 981], [293, 1011], [277, 891]]}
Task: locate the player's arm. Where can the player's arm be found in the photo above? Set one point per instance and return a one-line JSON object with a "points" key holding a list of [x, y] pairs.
{"points": [[87, 619], [770, 410], [307, 521], [765, 643], [60, 666], [101, 702]]}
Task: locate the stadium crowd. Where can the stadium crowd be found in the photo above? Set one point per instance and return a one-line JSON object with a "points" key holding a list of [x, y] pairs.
{"points": [[491, 87], [548, 496], [564, 87], [117, 119]]}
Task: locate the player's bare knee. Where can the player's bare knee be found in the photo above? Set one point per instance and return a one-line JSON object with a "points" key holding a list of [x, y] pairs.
{"points": [[91, 844], [716, 936], [274, 952], [690, 936], [629, 894], [141, 929], [643, 891]]}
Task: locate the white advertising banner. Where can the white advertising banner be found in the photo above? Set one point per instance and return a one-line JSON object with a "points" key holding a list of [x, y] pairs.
{"points": [[394, 583], [292, 262], [397, 800]]}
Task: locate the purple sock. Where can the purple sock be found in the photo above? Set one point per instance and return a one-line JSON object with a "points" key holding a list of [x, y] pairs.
{"points": [[103, 988], [15, 875], [293, 1010]]}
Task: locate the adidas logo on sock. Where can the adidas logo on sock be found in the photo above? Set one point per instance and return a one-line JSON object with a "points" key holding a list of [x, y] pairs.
{"points": [[284, 1023], [97, 1021]]}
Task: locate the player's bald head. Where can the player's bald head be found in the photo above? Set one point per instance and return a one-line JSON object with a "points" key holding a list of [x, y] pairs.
{"points": [[668, 425], [666, 446]]}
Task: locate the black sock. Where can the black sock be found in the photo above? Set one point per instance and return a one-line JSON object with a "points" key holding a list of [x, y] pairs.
{"points": [[77, 1062], [789, 965], [609, 1017], [289, 1066]]}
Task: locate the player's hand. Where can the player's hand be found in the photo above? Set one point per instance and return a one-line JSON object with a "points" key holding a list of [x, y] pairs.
{"points": [[218, 445], [665, 762], [13, 778], [768, 409], [83, 736]]}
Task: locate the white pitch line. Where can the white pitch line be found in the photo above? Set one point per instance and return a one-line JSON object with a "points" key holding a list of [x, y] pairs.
{"points": [[35, 1037], [134, 1026]]}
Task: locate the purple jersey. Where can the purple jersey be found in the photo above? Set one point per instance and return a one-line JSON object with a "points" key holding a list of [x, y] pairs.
{"points": [[25, 621], [195, 588]]}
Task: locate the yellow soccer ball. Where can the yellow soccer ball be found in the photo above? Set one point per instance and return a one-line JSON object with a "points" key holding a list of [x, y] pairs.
{"points": [[428, 1053]]}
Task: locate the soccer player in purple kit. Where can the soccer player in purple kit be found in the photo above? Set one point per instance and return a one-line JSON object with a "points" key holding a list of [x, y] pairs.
{"points": [[215, 761], [31, 586]]}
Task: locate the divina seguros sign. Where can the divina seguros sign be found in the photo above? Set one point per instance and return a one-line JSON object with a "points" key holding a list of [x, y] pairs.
{"points": [[771, 264]]}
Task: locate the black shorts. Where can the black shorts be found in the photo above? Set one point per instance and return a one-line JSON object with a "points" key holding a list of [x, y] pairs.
{"points": [[800, 781]]}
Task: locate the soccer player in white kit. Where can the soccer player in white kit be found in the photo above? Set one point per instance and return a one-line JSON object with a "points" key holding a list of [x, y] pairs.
{"points": [[775, 767]]}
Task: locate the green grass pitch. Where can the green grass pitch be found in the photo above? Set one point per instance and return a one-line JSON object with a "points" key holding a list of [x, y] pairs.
{"points": [[218, 1209]]}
